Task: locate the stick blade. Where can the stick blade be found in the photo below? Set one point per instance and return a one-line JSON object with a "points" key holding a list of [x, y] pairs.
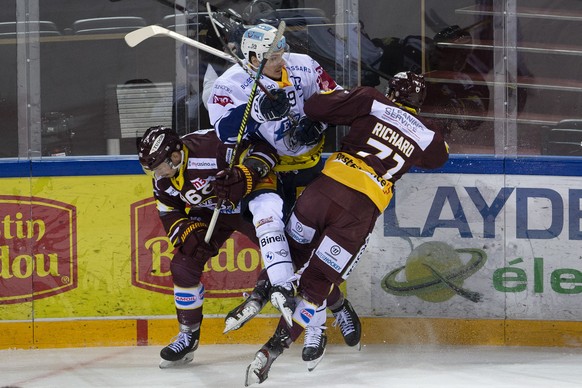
{"points": [[136, 37]]}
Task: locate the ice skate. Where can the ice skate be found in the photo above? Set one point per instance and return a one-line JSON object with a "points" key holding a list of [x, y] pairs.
{"points": [[283, 298], [258, 369], [181, 350], [252, 305], [349, 323], [314, 346]]}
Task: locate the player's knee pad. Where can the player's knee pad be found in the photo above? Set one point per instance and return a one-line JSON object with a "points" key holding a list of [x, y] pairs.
{"points": [[267, 210], [186, 270], [189, 298]]}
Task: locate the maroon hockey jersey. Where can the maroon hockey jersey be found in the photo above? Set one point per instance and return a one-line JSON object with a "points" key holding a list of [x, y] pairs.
{"points": [[204, 156], [383, 143]]}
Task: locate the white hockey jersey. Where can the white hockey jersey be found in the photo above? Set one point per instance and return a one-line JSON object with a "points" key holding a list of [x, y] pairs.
{"points": [[302, 77]]}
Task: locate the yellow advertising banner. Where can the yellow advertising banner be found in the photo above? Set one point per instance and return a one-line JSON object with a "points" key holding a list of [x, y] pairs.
{"points": [[93, 246]]}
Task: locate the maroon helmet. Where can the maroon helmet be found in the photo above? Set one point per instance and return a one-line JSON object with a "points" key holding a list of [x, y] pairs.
{"points": [[156, 146], [407, 88]]}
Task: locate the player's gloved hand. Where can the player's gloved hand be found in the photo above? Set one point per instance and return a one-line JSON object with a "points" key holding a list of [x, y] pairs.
{"points": [[265, 109], [190, 240], [309, 132], [232, 184]]}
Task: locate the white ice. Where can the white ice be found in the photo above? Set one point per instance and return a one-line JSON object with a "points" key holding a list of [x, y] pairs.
{"points": [[223, 366]]}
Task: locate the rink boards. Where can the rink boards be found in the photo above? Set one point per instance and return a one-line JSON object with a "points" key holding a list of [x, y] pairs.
{"points": [[483, 251]]}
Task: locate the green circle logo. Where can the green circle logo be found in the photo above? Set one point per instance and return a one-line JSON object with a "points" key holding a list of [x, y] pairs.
{"points": [[435, 273]]}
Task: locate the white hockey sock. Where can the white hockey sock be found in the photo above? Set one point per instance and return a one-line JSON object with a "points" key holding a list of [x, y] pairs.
{"points": [[189, 298], [267, 210], [309, 314]]}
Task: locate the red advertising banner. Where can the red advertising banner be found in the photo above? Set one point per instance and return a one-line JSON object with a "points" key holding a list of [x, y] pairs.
{"points": [[38, 248], [234, 270]]}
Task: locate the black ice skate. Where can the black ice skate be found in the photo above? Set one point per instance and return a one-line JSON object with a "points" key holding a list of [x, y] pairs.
{"points": [[181, 350], [258, 370], [252, 305], [349, 324], [314, 346], [283, 298]]}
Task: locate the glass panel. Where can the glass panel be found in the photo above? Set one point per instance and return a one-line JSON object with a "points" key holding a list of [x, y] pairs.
{"points": [[98, 94], [8, 82], [439, 39], [512, 89], [91, 94], [549, 77]]}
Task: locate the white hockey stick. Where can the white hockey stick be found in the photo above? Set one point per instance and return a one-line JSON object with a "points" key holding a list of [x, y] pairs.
{"points": [[136, 37]]}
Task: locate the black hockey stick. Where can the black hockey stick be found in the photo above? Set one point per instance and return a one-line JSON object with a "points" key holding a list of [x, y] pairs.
{"points": [[243, 124]]}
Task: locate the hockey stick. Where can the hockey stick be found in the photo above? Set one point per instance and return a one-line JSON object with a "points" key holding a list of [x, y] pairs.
{"points": [[236, 58], [136, 37], [243, 123], [239, 61]]}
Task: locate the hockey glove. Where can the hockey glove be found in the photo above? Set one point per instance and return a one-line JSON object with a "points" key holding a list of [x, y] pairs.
{"points": [[265, 109], [309, 132], [190, 240], [232, 184]]}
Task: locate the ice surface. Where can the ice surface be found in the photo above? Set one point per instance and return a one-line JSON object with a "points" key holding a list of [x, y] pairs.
{"points": [[223, 366]]}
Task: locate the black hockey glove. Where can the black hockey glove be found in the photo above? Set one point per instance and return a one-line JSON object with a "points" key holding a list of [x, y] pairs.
{"points": [[190, 240], [309, 132], [232, 184], [265, 109]]}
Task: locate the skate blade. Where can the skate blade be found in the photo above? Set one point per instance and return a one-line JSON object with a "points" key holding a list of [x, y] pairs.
{"points": [[278, 303], [251, 376], [165, 364], [233, 323], [359, 346], [311, 365]]}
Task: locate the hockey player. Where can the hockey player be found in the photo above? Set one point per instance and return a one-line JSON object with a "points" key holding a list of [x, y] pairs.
{"points": [[333, 218], [182, 171], [292, 79]]}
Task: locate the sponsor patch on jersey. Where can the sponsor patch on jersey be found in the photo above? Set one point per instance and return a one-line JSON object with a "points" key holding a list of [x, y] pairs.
{"points": [[222, 100], [199, 183], [172, 191], [406, 122], [202, 163], [333, 254], [298, 231]]}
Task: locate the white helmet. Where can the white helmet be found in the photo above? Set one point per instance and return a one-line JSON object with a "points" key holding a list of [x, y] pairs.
{"points": [[258, 39]]}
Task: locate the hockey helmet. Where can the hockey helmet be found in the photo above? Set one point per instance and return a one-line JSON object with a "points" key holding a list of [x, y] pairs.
{"points": [[157, 145], [258, 39], [407, 88]]}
